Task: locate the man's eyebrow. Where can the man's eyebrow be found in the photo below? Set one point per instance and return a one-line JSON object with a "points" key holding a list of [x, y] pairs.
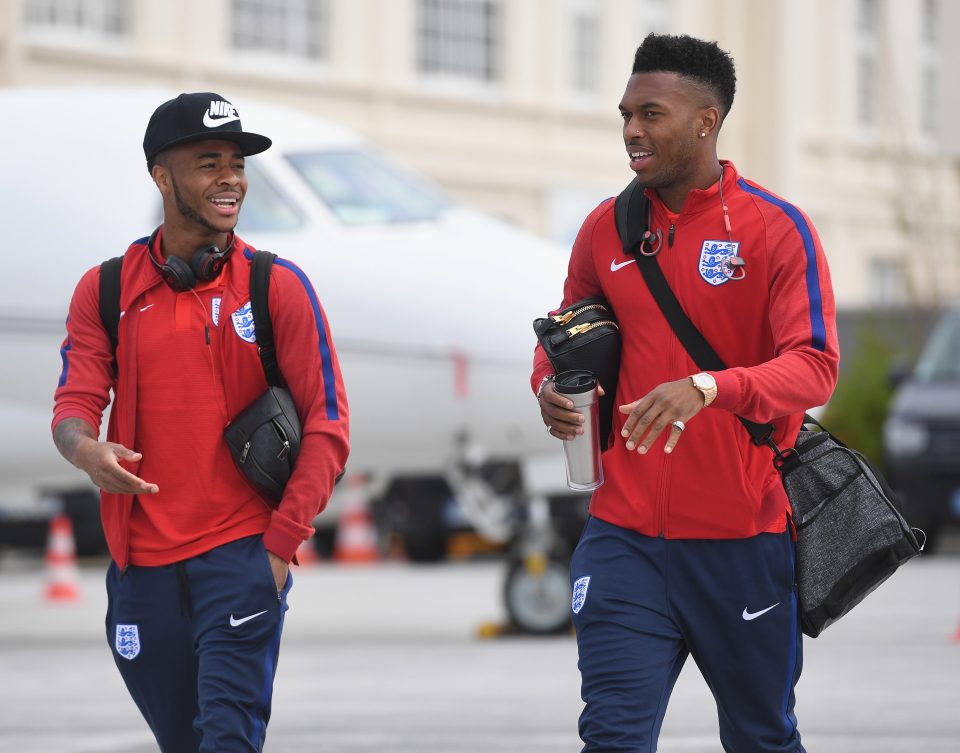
{"points": [[653, 104]]}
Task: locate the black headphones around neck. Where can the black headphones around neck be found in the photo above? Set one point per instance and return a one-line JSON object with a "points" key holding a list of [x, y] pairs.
{"points": [[204, 265]]}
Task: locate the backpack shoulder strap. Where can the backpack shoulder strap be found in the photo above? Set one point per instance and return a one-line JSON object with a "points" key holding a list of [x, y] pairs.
{"points": [[260, 305], [110, 301], [631, 211]]}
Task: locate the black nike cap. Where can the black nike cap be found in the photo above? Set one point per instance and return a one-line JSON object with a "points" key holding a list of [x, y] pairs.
{"points": [[197, 117]]}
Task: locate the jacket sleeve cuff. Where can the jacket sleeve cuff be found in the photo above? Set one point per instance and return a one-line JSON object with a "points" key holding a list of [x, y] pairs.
{"points": [[63, 415], [279, 539], [538, 377], [728, 390]]}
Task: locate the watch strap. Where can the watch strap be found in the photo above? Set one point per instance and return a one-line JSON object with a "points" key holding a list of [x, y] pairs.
{"points": [[543, 384]]}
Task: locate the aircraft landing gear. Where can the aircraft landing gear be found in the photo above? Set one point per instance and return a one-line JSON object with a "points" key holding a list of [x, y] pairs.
{"points": [[537, 594], [537, 585]]}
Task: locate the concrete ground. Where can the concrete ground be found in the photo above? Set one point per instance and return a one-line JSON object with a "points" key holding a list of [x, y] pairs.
{"points": [[386, 659]]}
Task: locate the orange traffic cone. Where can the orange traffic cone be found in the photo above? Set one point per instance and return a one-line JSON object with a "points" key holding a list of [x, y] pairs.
{"points": [[356, 535], [61, 558]]}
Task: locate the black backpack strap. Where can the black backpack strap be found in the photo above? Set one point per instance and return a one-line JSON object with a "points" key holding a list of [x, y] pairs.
{"points": [[631, 211], [631, 218], [260, 306], [110, 301]]}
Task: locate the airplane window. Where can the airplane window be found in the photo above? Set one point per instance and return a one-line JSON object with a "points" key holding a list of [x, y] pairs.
{"points": [[265, 208], [361, 189]]}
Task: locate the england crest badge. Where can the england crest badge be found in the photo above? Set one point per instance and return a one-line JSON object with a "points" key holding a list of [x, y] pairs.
{"points": [[127, 641], [243, 323], [713, 257], [580, 593]]}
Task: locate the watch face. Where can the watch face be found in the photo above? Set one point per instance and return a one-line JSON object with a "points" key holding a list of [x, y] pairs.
{"points": [[704, 381]]}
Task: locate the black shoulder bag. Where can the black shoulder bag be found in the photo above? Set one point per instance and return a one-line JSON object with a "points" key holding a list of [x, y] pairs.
{"points": [[264, 439], [585, 335], [850, 534]]}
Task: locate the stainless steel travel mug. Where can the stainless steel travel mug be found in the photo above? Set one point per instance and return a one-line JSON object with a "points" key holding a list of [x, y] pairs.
{"points": [[584, 469]]}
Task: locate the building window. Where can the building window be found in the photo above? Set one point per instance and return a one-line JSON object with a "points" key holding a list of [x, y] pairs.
{"points": [[867, 89], [868, 16], [867, 64], [887, 282], [584, 45], [459, 38], [107, 18], [290, 28], [929, 112], [929, 70], [930, 17]]}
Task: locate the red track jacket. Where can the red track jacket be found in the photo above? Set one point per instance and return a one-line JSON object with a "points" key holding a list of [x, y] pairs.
{"points": [[775, 329], [305, 354]]}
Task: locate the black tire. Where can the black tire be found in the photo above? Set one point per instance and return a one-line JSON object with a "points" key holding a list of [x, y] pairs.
{"points": [[538, 600], [323, 542], [426, 546], [413, 509], [83, 507]]}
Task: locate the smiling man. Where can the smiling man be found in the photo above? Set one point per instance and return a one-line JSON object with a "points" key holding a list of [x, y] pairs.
{"points": [[689, 547], [199, 580]]}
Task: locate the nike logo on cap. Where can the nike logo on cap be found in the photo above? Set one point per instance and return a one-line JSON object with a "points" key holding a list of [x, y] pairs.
{"points": [[219, 113], [235, 622], [753, 615], [214, 122], [614, 266]]}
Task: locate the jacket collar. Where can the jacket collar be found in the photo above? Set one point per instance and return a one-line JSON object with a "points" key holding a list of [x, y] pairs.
{"points": [[703, 199], [140, 274]]}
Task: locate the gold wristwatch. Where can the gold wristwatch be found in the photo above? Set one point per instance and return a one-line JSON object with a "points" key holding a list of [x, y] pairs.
{"points": [[707, 386]]}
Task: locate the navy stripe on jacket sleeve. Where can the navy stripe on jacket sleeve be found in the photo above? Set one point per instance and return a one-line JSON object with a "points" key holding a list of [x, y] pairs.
{"points": [[64, 350], [817, 328], [326, 361]]}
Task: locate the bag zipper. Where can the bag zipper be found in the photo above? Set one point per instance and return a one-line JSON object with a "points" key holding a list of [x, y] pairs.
{"points": [[581, 328], [565, 318]]}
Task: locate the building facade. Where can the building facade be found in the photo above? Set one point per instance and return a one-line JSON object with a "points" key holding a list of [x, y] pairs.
{"points": [[511, 105]]}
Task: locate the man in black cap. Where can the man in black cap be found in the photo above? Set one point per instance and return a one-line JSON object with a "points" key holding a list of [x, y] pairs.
{"points": [[199, 580]]}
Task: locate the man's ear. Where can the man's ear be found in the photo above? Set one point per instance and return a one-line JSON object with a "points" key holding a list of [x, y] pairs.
{"points": [[709, 120], [161, 176]]}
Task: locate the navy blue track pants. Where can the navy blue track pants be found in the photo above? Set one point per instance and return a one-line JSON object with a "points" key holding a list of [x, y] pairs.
{"points": [[642, 605], [196, 644]]}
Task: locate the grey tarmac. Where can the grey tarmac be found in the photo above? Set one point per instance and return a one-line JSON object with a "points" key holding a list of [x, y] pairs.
{"points": [[386, 658]]}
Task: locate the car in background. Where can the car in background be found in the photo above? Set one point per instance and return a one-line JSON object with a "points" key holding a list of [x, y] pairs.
{"points": [[922, 433]]}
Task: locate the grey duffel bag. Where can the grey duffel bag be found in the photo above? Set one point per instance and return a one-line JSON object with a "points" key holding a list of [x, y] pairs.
{"points": [[850, 535]]}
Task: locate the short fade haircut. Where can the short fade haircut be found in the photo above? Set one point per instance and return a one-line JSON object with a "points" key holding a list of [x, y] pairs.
{"points": [[702, 62]]}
